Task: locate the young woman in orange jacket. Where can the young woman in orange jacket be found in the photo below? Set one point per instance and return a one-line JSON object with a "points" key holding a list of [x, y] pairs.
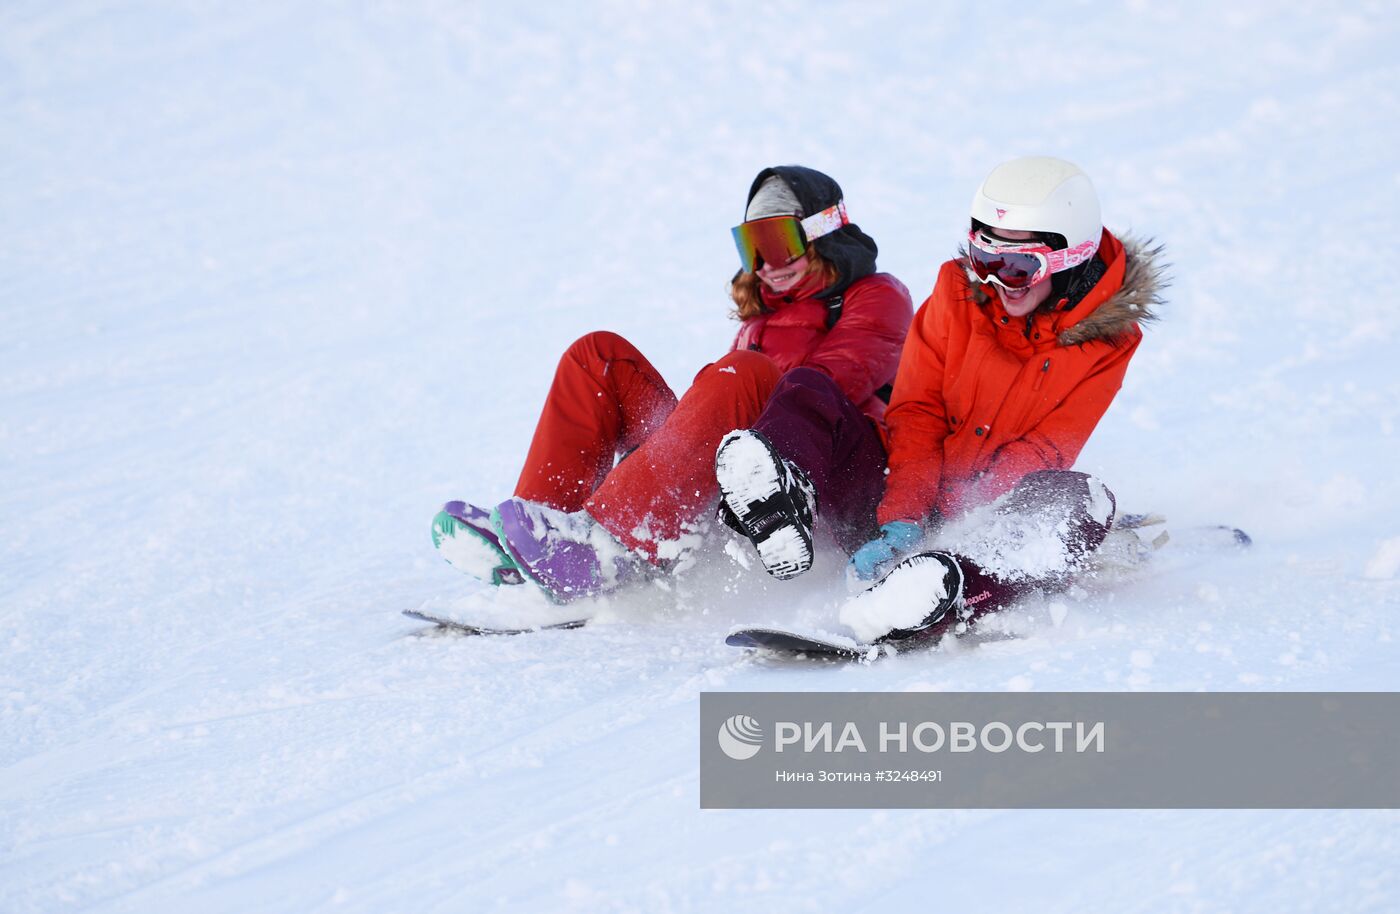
{"points": [[1008, 367]]}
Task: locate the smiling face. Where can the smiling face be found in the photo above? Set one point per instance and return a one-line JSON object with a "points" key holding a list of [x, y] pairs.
{"points": [[1020, 302], [781, 279]]}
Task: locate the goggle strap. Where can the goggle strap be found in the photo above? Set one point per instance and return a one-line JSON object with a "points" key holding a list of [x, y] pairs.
{"points": [[826, 221], [1073, 257]]}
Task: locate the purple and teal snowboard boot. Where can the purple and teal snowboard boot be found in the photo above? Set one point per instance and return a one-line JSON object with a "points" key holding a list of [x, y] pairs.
{"points": [[567, 554], [464, 536]]}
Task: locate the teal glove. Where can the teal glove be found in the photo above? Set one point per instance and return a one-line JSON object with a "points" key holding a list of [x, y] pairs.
{"points": [[897, 539]]}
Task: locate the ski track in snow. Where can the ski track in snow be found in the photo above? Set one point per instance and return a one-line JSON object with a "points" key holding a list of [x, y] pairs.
{"points": [[278, 281]]}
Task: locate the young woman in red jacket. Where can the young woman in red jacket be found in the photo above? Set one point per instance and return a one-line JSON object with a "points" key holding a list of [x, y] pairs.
{"points": [[620, 472], [1008, 367]]}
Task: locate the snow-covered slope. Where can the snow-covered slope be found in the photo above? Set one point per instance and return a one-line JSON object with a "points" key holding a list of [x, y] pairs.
{"points": [[278, 279]]}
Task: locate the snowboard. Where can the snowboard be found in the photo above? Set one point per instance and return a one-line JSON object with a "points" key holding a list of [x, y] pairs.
{"points": [[1144, 540], [465, 628], [779, 640], [799, 644]]}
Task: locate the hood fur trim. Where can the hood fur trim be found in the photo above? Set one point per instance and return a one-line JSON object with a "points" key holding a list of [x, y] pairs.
{"points": [[1135, 303]]}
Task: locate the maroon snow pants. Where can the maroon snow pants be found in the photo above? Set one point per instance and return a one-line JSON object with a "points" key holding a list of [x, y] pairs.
{"points": [[812, 423]]}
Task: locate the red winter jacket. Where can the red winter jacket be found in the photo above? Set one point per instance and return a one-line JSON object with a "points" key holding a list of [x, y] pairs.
{"points": [[984, 399], [860, 353]]}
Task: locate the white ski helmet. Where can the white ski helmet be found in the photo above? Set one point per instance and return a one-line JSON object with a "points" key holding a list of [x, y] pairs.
{"points": [[1041, 194]]}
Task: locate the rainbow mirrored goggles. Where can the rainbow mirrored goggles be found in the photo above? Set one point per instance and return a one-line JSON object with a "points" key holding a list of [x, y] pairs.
{"points": [[1020, 264], [780, 240]]}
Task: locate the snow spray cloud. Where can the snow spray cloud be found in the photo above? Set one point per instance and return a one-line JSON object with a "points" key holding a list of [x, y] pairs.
{"points": [[803, 750]]}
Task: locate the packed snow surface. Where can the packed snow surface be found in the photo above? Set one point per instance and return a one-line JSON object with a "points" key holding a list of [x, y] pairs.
{"points": [[277, 280]]}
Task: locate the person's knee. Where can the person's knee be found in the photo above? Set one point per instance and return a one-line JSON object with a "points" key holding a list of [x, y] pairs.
{"points": [[603, 345], [1046, 486], [1071, 490], [808, 382], [806, 390], [750, 367]]}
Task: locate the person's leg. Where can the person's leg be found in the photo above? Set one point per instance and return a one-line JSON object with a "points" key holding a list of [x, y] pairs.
{"points": [[668, 481], [606, 398], [1037, 537], [812, 423]]}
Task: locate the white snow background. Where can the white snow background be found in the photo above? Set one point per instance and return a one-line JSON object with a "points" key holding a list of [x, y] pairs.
{"points": [[277, 279]]}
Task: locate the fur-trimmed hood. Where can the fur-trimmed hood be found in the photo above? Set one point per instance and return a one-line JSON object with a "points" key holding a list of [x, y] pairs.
{"points": [[1136, 302]]}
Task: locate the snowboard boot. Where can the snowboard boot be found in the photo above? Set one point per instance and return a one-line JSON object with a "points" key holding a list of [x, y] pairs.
{"points": [[568, 555], [910, 602], [462, 534], [767, 499]]}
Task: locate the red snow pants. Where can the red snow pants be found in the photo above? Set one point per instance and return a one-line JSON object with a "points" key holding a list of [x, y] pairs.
{"points": [[607, 400]]}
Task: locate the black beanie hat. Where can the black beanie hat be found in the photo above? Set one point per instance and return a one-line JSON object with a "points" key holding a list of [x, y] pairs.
{"points": [[848, 249]]}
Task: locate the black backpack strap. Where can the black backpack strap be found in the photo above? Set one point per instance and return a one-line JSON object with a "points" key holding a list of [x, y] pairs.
{"points": [[833, 309], [833, 314]]}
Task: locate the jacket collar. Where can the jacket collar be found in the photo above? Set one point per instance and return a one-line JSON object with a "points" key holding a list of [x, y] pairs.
{"points": [[809, 286], [1128, 295]]}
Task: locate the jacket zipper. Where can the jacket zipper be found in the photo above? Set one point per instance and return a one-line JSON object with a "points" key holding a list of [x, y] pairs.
{"points": [[1040, 378]]}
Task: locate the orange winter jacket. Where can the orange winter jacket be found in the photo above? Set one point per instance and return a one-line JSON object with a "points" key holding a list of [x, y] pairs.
{"points": [[860, 353], [983, 398]]}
